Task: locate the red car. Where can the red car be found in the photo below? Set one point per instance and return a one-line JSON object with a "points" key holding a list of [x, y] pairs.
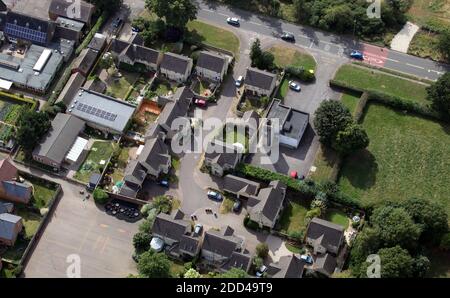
{"points": [[200, 102]]}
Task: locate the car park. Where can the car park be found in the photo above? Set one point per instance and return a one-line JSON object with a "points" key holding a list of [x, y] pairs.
{"points": [[200, 102], [239, 81], [287, 36], [294, 86], [357, 55], [233, 21], [214, 195]]}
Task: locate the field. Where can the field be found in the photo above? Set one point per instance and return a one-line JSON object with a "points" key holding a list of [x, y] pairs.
{"points": [[286, 56], [422, 11], [408, 156], [324, 162], [100, 151], [368, 79], [214, 36]]}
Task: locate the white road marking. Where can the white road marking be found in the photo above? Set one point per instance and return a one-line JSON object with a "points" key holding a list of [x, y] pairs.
{"points": [[254, 23], [438, 72], [311, 45], [412, 65]]}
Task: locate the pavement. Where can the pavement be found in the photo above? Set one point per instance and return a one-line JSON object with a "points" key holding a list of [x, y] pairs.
{"points": [[319, 41], [403, 38]]}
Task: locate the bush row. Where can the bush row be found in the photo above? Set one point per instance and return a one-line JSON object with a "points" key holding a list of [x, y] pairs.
{"points": [[300, 73], [12, 97], [103, 17]]}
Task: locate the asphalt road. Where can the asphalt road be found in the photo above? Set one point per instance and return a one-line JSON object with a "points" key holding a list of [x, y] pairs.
{"points": [[315, 39]]}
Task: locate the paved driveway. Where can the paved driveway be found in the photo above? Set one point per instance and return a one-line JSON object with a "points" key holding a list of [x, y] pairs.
{"points": [[103, 242]]}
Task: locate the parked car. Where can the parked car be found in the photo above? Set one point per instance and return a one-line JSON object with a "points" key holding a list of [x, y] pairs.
{"points": [[260, 272], [117, 22], [214, 195], [233, 21], [294, 86], [307, 258], [135, 29], [239, 81], [286, 36], [237, 206], [198, 228], [157, 244], [164, 183], [357, 55], [200, 102]]}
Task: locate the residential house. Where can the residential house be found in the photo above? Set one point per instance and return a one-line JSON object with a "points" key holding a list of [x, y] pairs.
{"points": [[176, 67], [177, 106], [259, 82], [324, 236], [85, 62], [98, 42], [10, 227], [71, 88], [19, 27], [325, 264], [59, 140], [133, 54], [265, 209], [223, 250], [66, 9], [240, 187], [102, 112], [153, 161], [212, 66], [291, 266], [69, 29], [292, 123], [177, 234], [221, 157], [11, 187]]}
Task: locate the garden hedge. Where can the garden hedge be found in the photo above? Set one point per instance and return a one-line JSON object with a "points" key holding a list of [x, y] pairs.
{"points": [[300, 73]]}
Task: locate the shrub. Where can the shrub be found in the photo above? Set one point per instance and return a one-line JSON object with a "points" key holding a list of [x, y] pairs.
{"points": [[445, 242], [300, 73], [297, 235], [141, 241], [100, 196], [316, 212], [262, 250], [331, 118], [257, 262]]}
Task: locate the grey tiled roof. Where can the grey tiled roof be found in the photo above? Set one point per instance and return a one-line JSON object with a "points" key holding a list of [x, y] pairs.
{"points": [[328, 232], [226, 155], [154, 154], [97, 42], [325, 263], [238, 260], [259, 78], [135, 173], [59, 7], [269, 201], [292, 121], [60, 138], [136, 52], [176, 63], [222, 242], [189, 244], [86, 60], [168, 227], [71, 88], [287, 267], [211, 61], [239, 185]]}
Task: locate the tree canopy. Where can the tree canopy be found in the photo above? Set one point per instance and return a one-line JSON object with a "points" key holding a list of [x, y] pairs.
{"points": [[396, 262], [330, 118], [351, 139], [153, 265], [107, 5], [439, 94], [261, 59], [31, 128], [444, 43], [177, 13]]}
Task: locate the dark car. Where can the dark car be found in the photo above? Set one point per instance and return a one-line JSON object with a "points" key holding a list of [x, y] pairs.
{"points": [[117, 22], [135, 29], [286, 36], [200, 103], [237, 206], [164, 183], [233, 21], [214, 195]]}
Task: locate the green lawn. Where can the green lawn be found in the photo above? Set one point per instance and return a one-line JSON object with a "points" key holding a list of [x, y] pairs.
{"points": [[350, 100], [284, 88], [214, 36], [160, 88], [324, 162], [119, 171], [100, 150], [293, 217], [119, 88], [294, 249], [42, 193], [31, 221], [285, 56], [338, 217], [366, 78], [408, 156], [176, 268]]}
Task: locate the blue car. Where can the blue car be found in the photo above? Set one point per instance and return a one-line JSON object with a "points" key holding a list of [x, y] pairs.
{"points": [[213, 195], [357, 55]]}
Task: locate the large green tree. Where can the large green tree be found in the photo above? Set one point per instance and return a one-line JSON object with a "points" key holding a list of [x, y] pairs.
{"points": [[177, 13], [396, 262], [330, 118], [367, 242], [351, 139], [439, 94], [444, 43], [153, 265], [107, 5], [31, 128], [430, 216], [395, 227]]}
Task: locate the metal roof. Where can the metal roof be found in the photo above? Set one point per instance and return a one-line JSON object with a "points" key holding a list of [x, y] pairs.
{"points": [[77, 149]]}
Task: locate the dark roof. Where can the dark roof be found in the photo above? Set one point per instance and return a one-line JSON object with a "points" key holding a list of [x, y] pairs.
{"points": [[135, 173], [137, 39], [154, 154], [95, 85], [166, 226], [326, 232], [7, 170], [20, 25], [222, 153], [189, 244], [269, 201], [136, 52], [86, 60], [60, 8], [118, 46], [71, 88], [287, 267], [61, 136], [211, 61], [97, 42], [176, 63], [67, 33], [3, 6], [222, 242], [238, 260], [95, 179], [259, 78], [325, 263], [242, 186], [292, 121], [129, 190]]}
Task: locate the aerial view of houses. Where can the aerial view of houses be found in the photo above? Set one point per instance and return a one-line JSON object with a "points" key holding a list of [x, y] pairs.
{"points": [[201, 139]]}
